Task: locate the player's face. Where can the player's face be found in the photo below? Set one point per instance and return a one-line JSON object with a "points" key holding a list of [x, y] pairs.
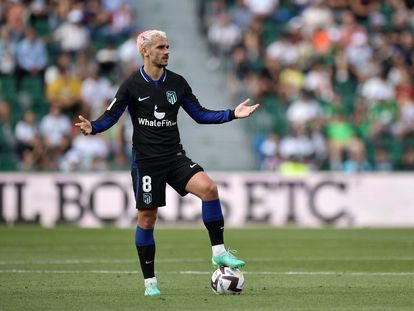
{"points": [[159, 52]]}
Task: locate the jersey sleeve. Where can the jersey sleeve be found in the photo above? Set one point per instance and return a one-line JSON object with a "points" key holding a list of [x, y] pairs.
{"points": [[202, 115], [113, 112]]}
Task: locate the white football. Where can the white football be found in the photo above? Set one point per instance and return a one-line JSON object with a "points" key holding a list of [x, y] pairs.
{"points": [[227, 281]]}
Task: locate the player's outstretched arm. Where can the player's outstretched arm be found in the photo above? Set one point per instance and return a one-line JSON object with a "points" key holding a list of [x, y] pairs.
{"points": [[84, 126], [244, 111]]}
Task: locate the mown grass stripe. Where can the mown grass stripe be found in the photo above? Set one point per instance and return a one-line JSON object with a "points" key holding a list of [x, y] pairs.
{"points": [[173, 260], [310, 273]]}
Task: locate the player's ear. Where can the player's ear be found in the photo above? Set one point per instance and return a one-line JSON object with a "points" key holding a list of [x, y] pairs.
{"points": [[144, 51]]}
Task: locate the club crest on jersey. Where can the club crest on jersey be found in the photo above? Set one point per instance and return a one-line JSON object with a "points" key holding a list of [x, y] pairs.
{"points": [[147, 198], [171, 97]]}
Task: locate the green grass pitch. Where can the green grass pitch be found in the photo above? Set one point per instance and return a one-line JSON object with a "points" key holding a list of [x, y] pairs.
{"points": [[69, 268]]}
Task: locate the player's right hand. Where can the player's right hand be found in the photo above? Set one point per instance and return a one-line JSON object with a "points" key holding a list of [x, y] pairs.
{"points": [[84, 126]]}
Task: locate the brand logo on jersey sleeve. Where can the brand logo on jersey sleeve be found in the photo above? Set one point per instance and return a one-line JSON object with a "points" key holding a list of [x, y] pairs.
{"points": [[171, 97]]}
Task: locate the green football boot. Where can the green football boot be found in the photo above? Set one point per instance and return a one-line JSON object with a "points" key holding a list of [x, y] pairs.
{"points": [[152, 290], [227, 259]]}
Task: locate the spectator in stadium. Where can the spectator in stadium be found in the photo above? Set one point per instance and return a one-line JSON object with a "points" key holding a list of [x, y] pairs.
{"points": [[28, 142], [406, 47], [399, 19], [71, 35], [240, 70], [55, 130], [83, 64], [320, 146], [359, 54], [322, 41], [7, 52], [6, 128], [210, 13], [356, 161], [284, 50], [316, 16], [125, 140], [319, 81], [406, 162], [110, 23], [297, 145], [61, 64], [241, 15], [127, 54], [96, 18], [350, 30], [38, 11], [291, 82], [65, 92], [262, 9], [15, 19], [382, 160], [158, 155], [403, 127], [378, 88], [360, 120], [86, 153], [107, 58], [111, 6], [122, 21], [341, 137], [223, 36], [31, 57], [399, 77], [119, 141], [383, 115], [252, 42], [304, 110], [268, 151], [95, 91]]}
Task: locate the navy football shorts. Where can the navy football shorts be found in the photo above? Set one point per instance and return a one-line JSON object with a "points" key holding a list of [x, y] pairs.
{"points": [[149, 178]]}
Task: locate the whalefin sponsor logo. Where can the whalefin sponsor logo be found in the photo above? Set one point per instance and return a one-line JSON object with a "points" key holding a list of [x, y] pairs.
{"points": [[156, 123]]}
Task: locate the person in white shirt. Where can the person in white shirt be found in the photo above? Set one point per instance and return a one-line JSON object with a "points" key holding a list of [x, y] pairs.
{"points": [[303, 110], [55, 129], [87, 153], [28, 144], [95, 91], [71, 35]]}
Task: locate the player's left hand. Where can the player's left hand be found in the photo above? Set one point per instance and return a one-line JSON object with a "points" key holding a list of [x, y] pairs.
{"points": [[243, 111]]}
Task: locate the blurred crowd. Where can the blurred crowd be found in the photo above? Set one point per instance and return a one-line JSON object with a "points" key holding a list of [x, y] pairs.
{"points": [[334, 77], [59, 59]]}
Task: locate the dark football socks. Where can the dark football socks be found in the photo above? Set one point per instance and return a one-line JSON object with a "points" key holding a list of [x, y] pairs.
{"points": [[214, 221], [145, 244]]}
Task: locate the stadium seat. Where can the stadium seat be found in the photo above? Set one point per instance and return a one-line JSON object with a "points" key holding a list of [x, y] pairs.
{"points": [[7, 86], [32, 85]]}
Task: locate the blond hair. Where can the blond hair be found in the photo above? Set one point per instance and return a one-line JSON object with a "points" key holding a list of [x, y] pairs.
{"points": [[144, 39]]}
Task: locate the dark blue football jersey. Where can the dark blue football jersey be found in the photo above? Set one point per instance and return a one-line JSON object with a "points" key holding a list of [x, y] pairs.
{"points": [[153, 107]]}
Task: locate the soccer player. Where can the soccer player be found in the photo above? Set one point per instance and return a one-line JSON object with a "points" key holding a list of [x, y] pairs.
{"points": [[154, 96]]}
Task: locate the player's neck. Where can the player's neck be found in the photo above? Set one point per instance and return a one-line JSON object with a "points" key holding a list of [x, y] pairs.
{"points": [[153, 72]]}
